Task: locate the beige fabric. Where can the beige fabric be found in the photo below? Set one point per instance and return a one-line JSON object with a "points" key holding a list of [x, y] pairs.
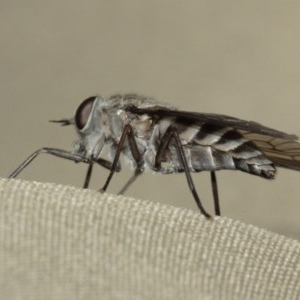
{"points": [[60, 242]]}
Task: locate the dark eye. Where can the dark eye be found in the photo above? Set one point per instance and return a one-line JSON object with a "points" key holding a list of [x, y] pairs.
{"points": [[83, 112]]}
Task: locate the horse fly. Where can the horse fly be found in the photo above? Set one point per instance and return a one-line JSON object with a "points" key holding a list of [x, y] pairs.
{"points": [[157, 137]]}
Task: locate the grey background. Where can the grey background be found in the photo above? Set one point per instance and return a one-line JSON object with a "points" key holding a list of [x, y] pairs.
{"points": [[239, 58]]}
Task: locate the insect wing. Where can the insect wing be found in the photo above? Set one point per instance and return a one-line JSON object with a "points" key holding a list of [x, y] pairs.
{"points": [[214, 119], [282, 148], [282, 152]]}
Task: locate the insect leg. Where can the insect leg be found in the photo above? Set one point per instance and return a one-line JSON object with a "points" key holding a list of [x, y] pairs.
{"points": [[102, 162], [214, 186], [53, 151], [88, 175], [106, 164], [127, 133], [138, 159], [169, 134], [138, 171]]}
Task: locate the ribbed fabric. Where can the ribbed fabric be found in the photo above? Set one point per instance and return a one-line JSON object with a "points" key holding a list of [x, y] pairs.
{"points": [[61, 242]]}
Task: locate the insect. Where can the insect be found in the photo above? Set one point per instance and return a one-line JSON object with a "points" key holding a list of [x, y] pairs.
{"points": [[157, 137]]}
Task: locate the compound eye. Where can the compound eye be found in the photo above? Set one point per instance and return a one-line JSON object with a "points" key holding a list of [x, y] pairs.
{"points": [[83, 112]]}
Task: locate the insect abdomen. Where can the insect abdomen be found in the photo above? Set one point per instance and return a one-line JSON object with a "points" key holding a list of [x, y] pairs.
{"points": [[215, 148]]}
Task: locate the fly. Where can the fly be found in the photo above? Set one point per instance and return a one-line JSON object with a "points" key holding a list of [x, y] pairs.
{"points": [[157, 137]]}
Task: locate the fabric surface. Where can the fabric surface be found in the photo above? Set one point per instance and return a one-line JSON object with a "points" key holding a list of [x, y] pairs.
{"points": [[61, 242]]}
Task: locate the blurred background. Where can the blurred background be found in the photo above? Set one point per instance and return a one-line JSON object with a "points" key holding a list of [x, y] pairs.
{"points": [[239, 58]]}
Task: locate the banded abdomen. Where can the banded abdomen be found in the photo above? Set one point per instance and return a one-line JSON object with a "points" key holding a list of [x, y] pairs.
{"points": [[209, 147]]}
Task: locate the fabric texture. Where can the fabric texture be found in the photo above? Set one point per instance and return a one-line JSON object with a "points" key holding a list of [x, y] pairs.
{"points": [[61, 242]]}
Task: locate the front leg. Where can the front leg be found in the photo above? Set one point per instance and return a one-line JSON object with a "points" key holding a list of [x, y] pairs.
{"points": [[53, 151]]}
